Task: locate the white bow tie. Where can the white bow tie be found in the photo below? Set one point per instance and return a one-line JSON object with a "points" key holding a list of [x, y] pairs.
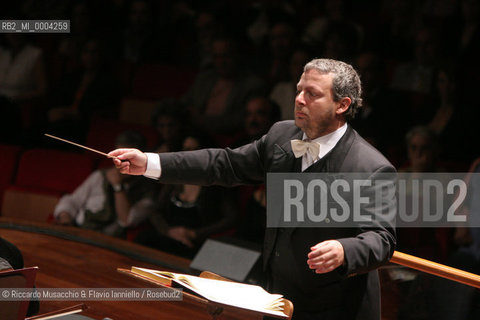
{"points": [[301, 147]]}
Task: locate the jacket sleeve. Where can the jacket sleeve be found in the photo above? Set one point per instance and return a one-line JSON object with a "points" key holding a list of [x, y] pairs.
{"points": [[224, 167], [375, 243]]}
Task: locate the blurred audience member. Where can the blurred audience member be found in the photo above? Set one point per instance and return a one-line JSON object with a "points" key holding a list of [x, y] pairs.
{"points": [[467, 238], [139, 42], [422, 150], [70, 47], [217, 98], [341, 42], [469, 46], [440, 10], [264, 14], [452, 300], [183, 216], [281, 45], [283, 93], [107, 201], [253, 201], [169, 121], [445, 100], [261, 114], [369, 121], [453, 119], [400, 21], [416, 76], [92, 90], [332, 25], [207, 27], [22, 71]]}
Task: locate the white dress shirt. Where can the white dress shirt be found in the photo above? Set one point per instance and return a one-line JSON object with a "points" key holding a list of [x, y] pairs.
{"points": [[327, 143]]}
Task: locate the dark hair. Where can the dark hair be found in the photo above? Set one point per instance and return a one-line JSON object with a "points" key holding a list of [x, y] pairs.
{"points": [[345, 82]]}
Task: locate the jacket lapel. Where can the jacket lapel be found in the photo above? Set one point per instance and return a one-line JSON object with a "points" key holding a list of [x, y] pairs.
{"points": [[283, 159], [334, 161]]}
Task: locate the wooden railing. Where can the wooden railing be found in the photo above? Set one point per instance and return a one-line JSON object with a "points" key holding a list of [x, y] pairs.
{"points": [[437, 269]]}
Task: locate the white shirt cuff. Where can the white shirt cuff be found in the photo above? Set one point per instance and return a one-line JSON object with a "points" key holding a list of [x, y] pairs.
{"points": [[154, 170]]}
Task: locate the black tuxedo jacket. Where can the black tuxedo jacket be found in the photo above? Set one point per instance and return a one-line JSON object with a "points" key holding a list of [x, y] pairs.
{"points": [[352, 289]]}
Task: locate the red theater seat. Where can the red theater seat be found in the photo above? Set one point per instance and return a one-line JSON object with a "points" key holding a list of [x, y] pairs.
{"points": [[8, 162], [53, 170], [43, 175]]}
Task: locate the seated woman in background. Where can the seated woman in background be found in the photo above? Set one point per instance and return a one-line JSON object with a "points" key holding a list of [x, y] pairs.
{"points": [[183, 216], [422, 150], [107, 201]]}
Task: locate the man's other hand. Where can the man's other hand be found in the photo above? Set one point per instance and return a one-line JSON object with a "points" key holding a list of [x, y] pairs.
{"points": [[130, 161], [326, 256]]}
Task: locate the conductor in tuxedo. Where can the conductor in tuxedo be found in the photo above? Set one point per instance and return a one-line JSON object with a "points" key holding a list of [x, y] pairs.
{"points": [[328, 273]]}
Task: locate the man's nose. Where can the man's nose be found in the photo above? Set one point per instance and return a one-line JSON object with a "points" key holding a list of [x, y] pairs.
{"points": [[300, 98]]}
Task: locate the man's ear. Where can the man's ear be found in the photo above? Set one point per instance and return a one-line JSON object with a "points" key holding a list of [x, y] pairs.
{"points": [[343, 105]]}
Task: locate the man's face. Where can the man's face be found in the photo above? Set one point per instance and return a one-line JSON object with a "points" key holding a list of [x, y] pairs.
{"points": [[315, 110]]}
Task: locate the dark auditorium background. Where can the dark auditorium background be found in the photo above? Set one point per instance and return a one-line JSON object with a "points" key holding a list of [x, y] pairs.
{"points": [[224, 71], [418, 61]]}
